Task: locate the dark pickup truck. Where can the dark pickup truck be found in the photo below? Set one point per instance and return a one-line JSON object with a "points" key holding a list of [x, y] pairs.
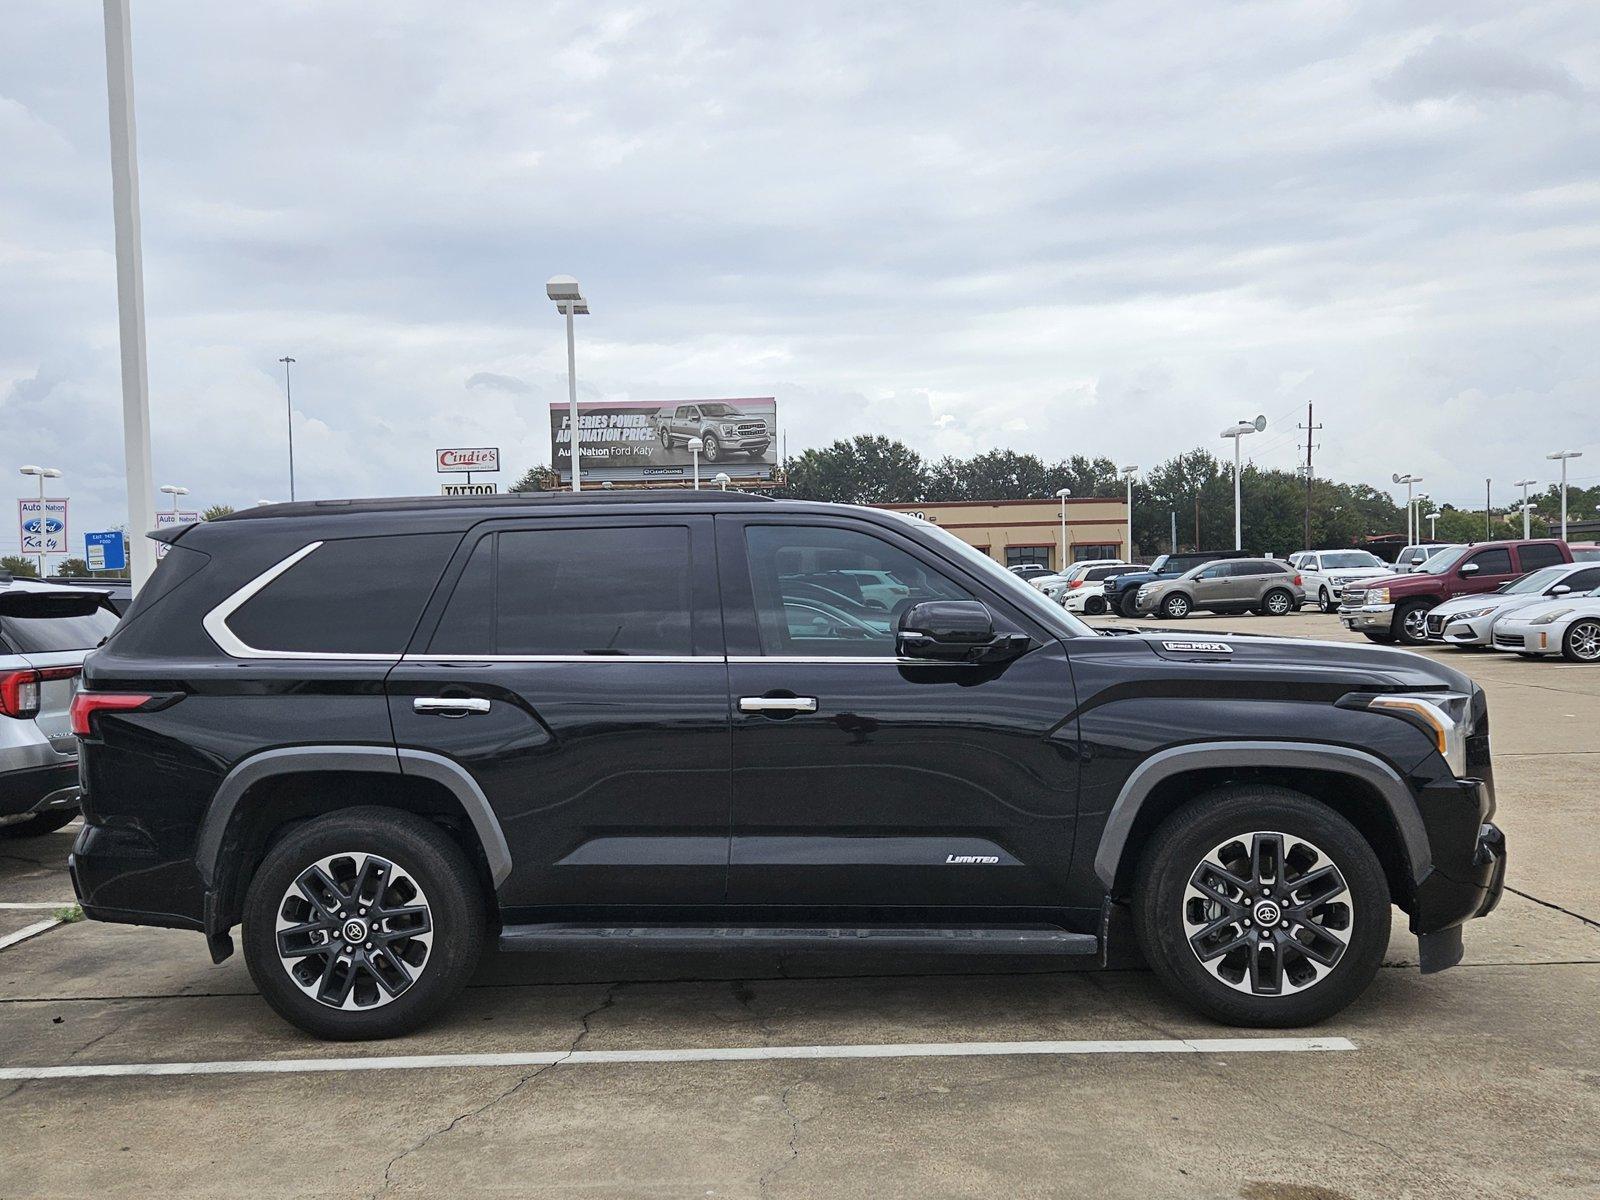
{"points": [[1122, 592], [375, 735]]}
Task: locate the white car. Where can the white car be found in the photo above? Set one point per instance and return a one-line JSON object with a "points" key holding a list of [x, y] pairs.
{"points": [[879, 586], [1569, 627], [1084, 590], [1472, 620], [1327, 571], [1410, 560]]}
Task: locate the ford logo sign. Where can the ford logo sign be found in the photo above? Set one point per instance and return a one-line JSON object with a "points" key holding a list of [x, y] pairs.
{"points": [[51, 526]]}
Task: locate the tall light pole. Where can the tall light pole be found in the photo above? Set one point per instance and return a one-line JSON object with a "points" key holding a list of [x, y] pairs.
{"points": [[130, 288], [1525, 484], [1433, 526], [1561, 456], [1127, 474], [695, 446], [288, 412], [1061, 552], [563, 289], [1236, 432], [1416, 511], [174, 491], [1409, 481], [43, 473]]}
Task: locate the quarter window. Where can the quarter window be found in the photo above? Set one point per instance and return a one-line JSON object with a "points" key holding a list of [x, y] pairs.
{"points": [[809, 599]]}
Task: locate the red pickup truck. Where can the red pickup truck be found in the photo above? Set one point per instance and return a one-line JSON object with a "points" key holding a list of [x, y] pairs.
{"points": [[1395, 608]]}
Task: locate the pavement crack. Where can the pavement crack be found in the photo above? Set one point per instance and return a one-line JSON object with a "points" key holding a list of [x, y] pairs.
{"points": [[1589, 921], [606, 1001], [767, 1176]]}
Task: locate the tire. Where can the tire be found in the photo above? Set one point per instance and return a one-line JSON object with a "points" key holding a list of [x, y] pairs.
{"points": [[1279, 602], [1094, 606], [712, 450], [1128, 604], [1325, 602], [1411, 623], [39, 824], [414, 856], [1234, 986], [1383, 639], [666, 439], [1176, 606], [1582, 641]]}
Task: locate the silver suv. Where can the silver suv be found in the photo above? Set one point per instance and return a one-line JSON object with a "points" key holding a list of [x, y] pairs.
{"points": [[45, 632], [1261, 585]]}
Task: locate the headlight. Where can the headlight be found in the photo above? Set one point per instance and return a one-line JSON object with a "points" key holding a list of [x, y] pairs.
{"points": [[1469, 614], [1377, 595], [1555, 614], [1444, 715], [729, 430]]}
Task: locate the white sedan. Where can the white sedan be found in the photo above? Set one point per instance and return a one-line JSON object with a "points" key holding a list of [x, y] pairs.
{"points": [[1569, 627], [1471, 620], [1083, 590], [1327, 571]]}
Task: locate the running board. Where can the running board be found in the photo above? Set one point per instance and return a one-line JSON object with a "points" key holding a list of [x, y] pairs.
{"points": [[1041, 939]]}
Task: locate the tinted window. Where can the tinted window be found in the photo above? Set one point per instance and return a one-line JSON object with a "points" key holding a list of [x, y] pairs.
{"points": [[39, 623], [1017, 556], [791, 567], [1256, 568], [1585, 580], [564, 591], [1542, 555], [1492, 562], [348, 596]]}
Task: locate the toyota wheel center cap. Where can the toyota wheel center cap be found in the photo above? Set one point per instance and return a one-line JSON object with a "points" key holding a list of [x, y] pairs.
{"points": [[355, 931], [1268, 913]]}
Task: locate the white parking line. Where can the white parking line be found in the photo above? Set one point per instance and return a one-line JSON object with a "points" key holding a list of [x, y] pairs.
{"points": [[537, 1058], [33, 904], [28, 931]]}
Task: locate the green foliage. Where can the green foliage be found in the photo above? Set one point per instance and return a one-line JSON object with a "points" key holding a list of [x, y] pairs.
{"points": [[22, 568], [537, 479], [73, 566], [217, 510], [864, 470]]}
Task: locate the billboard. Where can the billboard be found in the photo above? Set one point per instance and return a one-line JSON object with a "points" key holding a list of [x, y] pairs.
{"points": [[647, 441], [468, 459], [42, 526]]}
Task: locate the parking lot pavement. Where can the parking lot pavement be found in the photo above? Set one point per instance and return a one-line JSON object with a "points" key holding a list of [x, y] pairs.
{"points": [[1481, 1081]]}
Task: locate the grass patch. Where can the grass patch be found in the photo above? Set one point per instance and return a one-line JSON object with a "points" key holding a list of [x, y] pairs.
{"points": [[69, 914]]}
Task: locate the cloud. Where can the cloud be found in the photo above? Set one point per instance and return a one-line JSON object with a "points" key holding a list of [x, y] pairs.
{"points": [[1452, 68], [504, 383]]}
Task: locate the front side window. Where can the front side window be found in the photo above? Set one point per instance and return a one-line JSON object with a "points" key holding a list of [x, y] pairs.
{"points": [[581, 591], [807, 594], [1493, 562]]}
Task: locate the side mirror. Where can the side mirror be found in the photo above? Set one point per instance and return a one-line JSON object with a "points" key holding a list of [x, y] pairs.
{"points": [[1470, 568], [955, 631], [1560, 589]]}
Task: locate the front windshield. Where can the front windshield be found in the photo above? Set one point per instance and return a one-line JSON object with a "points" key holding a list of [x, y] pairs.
{"points": [[1537, 582], [1350, 558], [719, 410], [1160, 563], [1443, 561], [1030, 600]]}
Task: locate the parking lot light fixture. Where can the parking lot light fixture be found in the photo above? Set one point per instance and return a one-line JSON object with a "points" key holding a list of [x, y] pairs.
{"points": [[1525, 484], [1410, 481], [1236, 432], [1433, 526], [42, 473], [722, 480], [174, 491], [1061, 552], [1561, 456], [1128, 473], [695, 446], [563, 289]]}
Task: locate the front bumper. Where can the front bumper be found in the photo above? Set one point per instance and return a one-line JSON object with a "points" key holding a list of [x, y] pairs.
{"points": [[1369, 617], [1527, 639], [1460, 631], [1477, 890]]}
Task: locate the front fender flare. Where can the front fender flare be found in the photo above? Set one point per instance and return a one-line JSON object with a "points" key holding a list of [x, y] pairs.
{"points": [[1339, 760]]}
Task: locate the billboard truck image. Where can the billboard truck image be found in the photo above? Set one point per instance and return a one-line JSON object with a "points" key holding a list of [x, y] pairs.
{"points": [[648, 441]]}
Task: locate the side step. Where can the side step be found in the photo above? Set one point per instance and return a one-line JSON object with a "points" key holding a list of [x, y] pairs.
{"points": [[1032, 939]]}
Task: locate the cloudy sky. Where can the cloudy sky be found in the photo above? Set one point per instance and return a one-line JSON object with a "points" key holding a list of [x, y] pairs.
{"points": [[1061, 227]]}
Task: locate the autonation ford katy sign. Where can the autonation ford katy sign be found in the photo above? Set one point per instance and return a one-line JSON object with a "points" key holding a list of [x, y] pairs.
{"points": [[43, 526]]}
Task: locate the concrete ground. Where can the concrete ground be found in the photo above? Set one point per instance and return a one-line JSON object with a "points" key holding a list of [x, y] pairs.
{"points": [[1482, 1081]]}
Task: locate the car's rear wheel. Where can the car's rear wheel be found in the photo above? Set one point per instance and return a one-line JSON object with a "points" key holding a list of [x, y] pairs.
{"points": [[362, 924], [1277, 603], [39, 824], [1411, 622], [1582, 642], [1260, 906], [1175, 607]]}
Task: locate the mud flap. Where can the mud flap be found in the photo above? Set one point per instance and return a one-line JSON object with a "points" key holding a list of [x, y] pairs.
{"points": [[1440, 950]]}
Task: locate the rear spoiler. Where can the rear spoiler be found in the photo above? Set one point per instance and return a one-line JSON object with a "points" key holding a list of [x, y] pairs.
{"points": [[170, 534]]}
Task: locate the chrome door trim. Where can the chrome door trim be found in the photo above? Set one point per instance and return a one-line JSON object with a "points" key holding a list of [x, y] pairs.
{"points": [[785, 704], [448, 705]]}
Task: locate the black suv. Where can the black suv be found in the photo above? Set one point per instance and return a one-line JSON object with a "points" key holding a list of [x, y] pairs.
{"points": [[376, 733], [1122, 592]]}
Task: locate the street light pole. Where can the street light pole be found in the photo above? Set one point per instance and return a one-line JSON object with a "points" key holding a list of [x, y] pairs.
{"points": [[1413, 527], [1061, 550], [695, 446], [1433, 526], [288, 411], [1128, 473], [1236, 432], [1524, 484], [564, 290], [130, 288], [1562, 456], [43, 473]]}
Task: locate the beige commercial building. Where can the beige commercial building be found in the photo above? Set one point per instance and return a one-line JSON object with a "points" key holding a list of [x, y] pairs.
{"points": [[1013, 532]]}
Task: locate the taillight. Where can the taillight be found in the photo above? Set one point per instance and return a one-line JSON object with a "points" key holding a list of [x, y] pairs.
{"points": [[1299, 581], [86, 704], [19, 694], [1076, 583]]}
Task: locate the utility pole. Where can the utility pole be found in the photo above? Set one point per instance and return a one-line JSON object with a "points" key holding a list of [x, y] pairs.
{"points": [[1197, 518], [1488, 527], [1172, 544], [1310, 427]]}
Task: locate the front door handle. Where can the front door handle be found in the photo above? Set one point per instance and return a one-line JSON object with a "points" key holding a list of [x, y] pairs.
{"points": [[449, 706], [784, 704]]}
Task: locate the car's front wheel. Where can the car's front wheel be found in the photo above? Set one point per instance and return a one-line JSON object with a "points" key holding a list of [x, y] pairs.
{"points": [[1175, 607], [1128, 604], [1261, 906], [1582, 642], [712, 450], [362, 924], [1325, 601], [1411, 622]]}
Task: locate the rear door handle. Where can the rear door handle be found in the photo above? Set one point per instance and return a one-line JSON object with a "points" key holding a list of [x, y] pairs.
{"points": [[787, 704], [449, 706]]}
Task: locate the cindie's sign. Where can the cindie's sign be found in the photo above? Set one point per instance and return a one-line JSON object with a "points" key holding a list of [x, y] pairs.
{"points": [[468, 458]]}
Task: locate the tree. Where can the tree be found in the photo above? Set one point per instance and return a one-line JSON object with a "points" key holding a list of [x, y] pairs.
{"points": [[864, 470], [22, 568], [537, 479], [217, 510], [73, 566]]}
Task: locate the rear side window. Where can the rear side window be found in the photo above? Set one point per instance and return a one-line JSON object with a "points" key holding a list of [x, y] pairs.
{"points": [[1534, 557], [348, 596], [573, 591]]}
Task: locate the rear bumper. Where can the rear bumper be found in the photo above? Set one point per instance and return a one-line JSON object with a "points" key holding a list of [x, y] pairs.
{"points": [[119, 875], [39, 789]]}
